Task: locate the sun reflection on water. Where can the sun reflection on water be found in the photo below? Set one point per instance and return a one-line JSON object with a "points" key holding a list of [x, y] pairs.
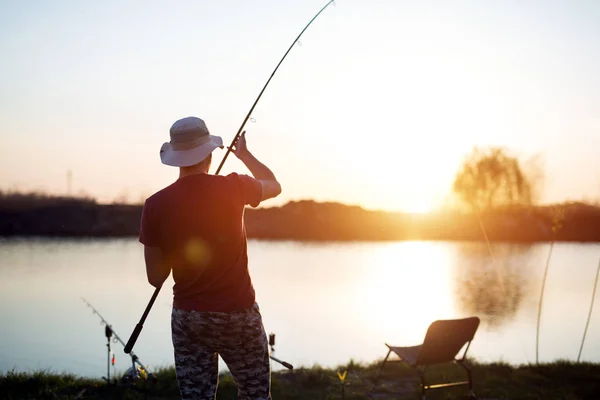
{"points": [[407, 291]]}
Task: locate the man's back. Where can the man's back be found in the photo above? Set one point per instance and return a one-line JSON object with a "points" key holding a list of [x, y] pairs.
{"points": [[198, 223]]}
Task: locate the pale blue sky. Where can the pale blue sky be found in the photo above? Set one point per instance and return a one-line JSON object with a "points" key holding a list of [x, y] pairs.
{"points": [[376, 107]]}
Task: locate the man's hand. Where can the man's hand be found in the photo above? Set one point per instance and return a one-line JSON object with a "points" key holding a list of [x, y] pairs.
{"points": [[270, 187], [239, 146]]}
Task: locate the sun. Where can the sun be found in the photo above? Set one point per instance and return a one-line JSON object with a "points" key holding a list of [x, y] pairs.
{"points": [[419, 207], [407, 203], [413, 203]]}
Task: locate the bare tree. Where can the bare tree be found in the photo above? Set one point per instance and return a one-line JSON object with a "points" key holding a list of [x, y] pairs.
{"points": [[492, 178]]}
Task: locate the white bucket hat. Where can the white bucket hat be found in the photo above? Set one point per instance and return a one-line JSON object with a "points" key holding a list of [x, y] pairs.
{"points": [[191, 142]]}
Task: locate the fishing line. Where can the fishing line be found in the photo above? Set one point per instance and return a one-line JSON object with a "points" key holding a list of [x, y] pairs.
{"points": [[491, 253]]}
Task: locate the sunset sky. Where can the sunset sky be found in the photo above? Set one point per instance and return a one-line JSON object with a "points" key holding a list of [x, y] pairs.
{"points": [[376, 107]]}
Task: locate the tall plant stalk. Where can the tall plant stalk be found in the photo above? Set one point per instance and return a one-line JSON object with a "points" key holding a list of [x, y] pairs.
{"points": [[557, 220], [489, 248], [587, 324], [539, 316]]}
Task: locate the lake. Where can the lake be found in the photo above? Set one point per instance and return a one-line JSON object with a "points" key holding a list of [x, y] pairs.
{"points": [[327, 303]]}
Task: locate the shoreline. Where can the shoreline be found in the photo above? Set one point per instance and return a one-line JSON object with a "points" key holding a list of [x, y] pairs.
{"points": [[310, 221]]}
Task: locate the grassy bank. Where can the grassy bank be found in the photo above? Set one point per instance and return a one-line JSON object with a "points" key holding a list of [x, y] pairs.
{"points": [[559, 380]]}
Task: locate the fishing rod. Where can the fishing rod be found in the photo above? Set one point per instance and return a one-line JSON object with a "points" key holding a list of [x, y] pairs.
{"points": [[138, 328], [109, 331]]}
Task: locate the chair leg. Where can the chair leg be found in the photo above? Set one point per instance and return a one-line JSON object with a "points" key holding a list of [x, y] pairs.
{"points": [[422, 376], [380, 369], [470, 378]]}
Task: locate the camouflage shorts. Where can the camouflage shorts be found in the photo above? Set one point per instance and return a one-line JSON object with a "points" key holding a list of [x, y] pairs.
{"points": [[238, 337]]}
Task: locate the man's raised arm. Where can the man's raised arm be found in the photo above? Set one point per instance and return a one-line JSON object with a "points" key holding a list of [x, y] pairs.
{"points": [[270, 187]]}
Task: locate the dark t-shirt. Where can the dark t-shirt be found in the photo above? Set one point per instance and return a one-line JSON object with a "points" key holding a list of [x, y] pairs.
{"points": [[198, 222]]}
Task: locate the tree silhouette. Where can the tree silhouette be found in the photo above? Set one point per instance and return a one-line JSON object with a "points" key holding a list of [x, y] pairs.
{"points": [[492, 178]]}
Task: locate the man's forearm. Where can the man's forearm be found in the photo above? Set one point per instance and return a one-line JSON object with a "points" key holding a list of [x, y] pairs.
{"points": [[157, 269], [258, 169]]}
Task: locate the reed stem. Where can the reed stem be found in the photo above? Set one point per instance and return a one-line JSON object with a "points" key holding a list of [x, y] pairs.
{"points": [[539, 316], [587, 324]]}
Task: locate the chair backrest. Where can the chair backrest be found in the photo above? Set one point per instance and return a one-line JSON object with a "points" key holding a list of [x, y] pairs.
{"points": [[445, 338]]}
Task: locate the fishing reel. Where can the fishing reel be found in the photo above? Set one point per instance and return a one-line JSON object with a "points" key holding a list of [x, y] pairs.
{"points": [[272, 341], [136, 373]]}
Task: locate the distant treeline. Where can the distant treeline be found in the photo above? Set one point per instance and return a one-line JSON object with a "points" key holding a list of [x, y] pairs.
{"points": [[40, 215]]}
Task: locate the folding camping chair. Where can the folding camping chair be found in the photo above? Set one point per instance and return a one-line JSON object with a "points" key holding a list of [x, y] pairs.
{"points": [[443, 342]]}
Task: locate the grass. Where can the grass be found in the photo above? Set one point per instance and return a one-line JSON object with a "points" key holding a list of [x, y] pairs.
{"points": [[559, 380]]}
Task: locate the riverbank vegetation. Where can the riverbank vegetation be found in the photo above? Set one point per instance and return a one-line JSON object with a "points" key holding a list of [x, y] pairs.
{"points": [[558, 380], [494, 194], [33, 214]]}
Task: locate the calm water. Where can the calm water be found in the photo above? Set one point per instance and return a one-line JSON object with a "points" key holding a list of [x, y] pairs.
{"points": [[327, 303]]}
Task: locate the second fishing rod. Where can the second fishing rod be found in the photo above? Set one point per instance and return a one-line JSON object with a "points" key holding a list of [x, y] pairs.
{"points": [[140, 325], [110, 332]]}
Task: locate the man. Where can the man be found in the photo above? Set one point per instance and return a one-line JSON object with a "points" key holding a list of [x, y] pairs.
{"points": [[195, 227]]}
